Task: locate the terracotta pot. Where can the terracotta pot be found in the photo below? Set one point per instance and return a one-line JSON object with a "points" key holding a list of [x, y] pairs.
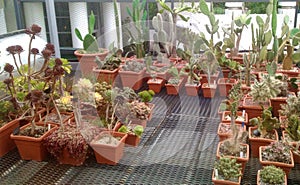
{"points": [[7, 144], [68, 115], [294, 143], [224, 182], [175, 59], [155, 85], [225, 135], [285, 167], [276, 103], [290, 73], [241, 160], [173, 89], [132, 79], [258, 179], [224, 85], [160, 64], [106, 75], [209, 92], [192, 89], [87, 61], [238, 58], [141, 122], [213, 77], [67, 158], [253, 109], [31, 148], [161, 75], [225, 114], [245, 89], [256, 142], [108, 154], [132, 139]]}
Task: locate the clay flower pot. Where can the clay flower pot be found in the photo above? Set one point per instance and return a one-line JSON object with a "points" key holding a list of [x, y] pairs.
{"points": [[253, 109], [67, 158], [240, 119], [192, 89], [242, 159], [31, 148], [284, 166], [256, 142], [132, 79], [224, 85], [294, 143], [209, 91], [224, 130], [87, 61], [132, 139], [213, 77], [106, 153], [276, 103], [106, 75], [7, 144], [173, 89], [155, 85]]}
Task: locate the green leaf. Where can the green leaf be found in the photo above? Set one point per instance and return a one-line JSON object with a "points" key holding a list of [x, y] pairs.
{"points": [[286, 19], [248, 21], [294, 31], [165, 6], [259, 21], [208, 29], [204, 8], [183, 17], [78, 34], [91, 22], [183, 9], [268, 37], [138, 130], [296, 57]]}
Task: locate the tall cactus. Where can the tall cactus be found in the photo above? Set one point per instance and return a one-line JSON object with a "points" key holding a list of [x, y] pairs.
{"points": [[90, 44], [161, 34], [248, 63]]}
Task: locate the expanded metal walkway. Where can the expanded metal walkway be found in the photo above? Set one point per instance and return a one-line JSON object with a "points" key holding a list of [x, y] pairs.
{"points": [[178, 147]]}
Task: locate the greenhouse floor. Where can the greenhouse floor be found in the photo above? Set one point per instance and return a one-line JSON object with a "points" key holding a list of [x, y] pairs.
{"points": [[178, 147]]}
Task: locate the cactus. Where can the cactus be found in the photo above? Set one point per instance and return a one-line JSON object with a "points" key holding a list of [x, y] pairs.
{"points": [[291, 107], [161, 36], [90, 44], [228, 169], [267, 88], [293, 128], [174, 13], [248, 63], [266, 123], [272, 175], [235, 34]]}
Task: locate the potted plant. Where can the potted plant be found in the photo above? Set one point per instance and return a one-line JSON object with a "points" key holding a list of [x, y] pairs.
{"points": [[235, 35], [132, 74], [69, 143], [225, 132], [208, 64], [146, 97], [86, 56], [261, 92], [292, 135], [264, 131], [291, 107], [158, 76], [137, 30], [163, 29], [107, 69], [134, 133], [279, 154], [174, 83], [227, 171], [271, 175], [193, 84], [39, 89]]}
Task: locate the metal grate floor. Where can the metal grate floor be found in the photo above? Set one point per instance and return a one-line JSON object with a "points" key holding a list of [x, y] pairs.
{"points": [[178, 147]]}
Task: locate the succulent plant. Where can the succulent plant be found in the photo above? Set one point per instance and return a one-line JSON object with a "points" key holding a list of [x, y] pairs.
{"points": [[293, 128], [90, 44], [146, 95], [272, 175], [136, 130], [139, 110], [266, 123], [267, 88], [133, 65], [228, 169], [277, 151], [291, 107]]}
